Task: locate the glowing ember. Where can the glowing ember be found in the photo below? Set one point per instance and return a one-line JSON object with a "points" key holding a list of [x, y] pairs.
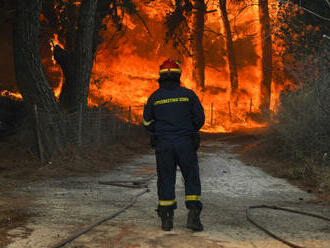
{"points": [[55, 42], [56, 67], [11, 94]]}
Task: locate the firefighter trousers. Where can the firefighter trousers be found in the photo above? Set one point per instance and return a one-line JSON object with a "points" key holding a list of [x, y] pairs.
{"points": [[169, 155]]}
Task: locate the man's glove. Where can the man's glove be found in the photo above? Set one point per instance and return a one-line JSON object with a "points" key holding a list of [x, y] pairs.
{"points": [[196, 140]]}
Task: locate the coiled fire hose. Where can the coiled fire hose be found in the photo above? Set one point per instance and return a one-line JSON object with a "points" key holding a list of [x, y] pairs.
{"points": [[288, 243], [130, 184]]}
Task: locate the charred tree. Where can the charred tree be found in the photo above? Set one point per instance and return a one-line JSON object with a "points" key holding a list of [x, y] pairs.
{"points": [[197, 33], [84, 55], [81, 38], [230, 48], [77, 62], [30, 76], [267, 68], [186, 26]]}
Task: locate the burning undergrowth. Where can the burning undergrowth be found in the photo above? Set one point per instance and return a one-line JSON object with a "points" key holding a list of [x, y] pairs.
{"points": [[125, 69], [129, 68]]}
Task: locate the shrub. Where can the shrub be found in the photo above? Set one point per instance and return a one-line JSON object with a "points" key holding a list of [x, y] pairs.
{"points": [[301, 127]]}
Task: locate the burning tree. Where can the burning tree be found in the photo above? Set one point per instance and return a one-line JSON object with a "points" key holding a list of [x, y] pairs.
{"points": [[189, 16], [84, 21], [267, 50], [78, 27], [230, 48], [229, 63], [197, 48], [78, 62], [30, 76]]}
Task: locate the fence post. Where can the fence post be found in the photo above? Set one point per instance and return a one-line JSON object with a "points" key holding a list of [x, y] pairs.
{"points": [[130, 115], [274, 109], [129, 120], [212, 114], [80, 125], [114, 123], [250, 105], [229, 109], [41, 149], [99, 125], [144, 106]]}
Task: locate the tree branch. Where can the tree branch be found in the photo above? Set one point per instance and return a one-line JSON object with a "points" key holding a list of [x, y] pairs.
{"points": [[315, 14], [214, 32], [326, 36], [144, 23], [213, 67], [310, 11], [184, 46], [328, 2], [211, 11]]}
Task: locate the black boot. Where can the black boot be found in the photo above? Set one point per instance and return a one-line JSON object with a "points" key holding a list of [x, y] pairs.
{"points": [[166, 216], [194, 222]]}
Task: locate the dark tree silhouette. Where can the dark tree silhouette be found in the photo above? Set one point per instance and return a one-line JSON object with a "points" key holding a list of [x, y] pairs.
{"points": [[267, 67], [197, 48], [79, 62], [78, 29], [230, 48], [30, 76]]}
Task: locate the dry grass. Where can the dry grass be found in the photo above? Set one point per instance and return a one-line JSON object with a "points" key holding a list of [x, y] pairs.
{"points": [[19, 163], [311, 177], [296, 145]]}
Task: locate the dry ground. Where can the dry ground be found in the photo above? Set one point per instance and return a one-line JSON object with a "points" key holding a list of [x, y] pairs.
{"points": [[309, 176], [19, 173], [19, 166]]}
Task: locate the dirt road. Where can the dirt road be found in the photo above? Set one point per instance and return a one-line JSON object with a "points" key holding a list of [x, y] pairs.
{"points": [[61, 207]]}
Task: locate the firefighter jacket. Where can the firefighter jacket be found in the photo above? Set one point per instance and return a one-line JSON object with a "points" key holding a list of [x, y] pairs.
{"points": [[173, 111]]}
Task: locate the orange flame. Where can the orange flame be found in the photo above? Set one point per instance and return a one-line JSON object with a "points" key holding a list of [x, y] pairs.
{"points": [[126, 67], [54, 42], [129, 74], [8, 93]]}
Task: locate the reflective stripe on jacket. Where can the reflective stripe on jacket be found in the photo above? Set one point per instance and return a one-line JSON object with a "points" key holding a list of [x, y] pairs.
{"points": [[173, 112]]}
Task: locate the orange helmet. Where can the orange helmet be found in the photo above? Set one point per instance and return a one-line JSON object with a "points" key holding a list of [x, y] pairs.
{"points": [[170, 66]]}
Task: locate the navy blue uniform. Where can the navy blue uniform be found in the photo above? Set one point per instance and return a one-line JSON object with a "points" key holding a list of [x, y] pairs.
{"points": [[173, 114]]}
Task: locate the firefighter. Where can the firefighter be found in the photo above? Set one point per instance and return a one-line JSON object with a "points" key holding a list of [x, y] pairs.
{"points": [[174, 115]]}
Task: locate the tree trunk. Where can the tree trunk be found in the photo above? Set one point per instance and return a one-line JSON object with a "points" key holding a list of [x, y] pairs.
{"points": [[199, 11], [267, 68], [79, 66], [230, 48], [30, 76]]}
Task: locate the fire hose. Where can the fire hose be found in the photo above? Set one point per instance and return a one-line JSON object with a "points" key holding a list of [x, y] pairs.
{"points": [[144, 184], [130, 184], [288, 243]]}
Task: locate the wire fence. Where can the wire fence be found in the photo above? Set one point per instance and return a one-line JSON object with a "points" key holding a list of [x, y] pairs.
{"points": [[104, 125], [94, 127]]}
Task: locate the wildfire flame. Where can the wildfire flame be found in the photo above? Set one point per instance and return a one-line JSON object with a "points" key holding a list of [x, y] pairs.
{"points": [[8, 93], [129, 74], [55, 42], [126, 66]]}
